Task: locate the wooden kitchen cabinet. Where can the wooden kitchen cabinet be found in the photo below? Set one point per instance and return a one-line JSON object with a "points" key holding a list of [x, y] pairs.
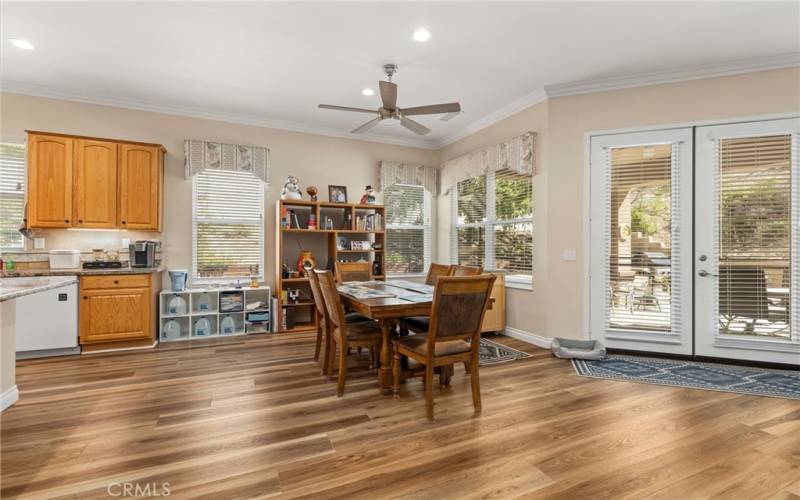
{"points": [[494, 320], [50, 162], [95, 183], [118, 310], [139, 187]]}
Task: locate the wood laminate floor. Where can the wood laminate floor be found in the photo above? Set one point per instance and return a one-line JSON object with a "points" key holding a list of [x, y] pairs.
{"points": [[253, 418]]}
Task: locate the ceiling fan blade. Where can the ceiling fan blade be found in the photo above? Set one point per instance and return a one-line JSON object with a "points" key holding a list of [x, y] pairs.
{"points": [[433, 109], [367, 126], [449, 116], [346, 108], [388, 95], [413, 126]]}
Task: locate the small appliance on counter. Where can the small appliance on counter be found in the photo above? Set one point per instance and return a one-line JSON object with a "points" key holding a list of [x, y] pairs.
{"points": [[65, 259], [102, 264], [143, 253]]}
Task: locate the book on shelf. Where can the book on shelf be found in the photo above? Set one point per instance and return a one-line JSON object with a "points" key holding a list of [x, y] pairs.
{"points": [[370, 222]]}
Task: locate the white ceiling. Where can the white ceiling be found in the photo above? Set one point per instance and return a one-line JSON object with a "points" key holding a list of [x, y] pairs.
{"points": [[272, 63]]}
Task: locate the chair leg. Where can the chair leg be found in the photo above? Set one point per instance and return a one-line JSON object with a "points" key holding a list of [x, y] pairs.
{"points": [[372, 357], [429, 392], [326, 362], [318, 344], [396, 373], [342, 371], [466, 367], [474, 382], [444, 375]]}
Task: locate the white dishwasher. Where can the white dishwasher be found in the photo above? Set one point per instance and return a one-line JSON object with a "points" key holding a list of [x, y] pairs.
{"points": [[47, 322]]}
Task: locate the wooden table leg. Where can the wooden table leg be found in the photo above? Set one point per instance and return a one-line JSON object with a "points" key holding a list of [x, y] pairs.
{"points": [[385, 371]]}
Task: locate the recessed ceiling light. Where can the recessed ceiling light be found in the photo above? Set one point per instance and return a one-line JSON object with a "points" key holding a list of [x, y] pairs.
{"points": [[422, 35], [367, 92], [21, 44]]}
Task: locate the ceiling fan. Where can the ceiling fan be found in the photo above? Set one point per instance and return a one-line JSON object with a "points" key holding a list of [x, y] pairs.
{"points": [[390, 111]]}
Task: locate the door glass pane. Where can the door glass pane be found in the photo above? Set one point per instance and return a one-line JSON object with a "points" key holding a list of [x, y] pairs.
{"points": [[754, 199], [639, 238]]}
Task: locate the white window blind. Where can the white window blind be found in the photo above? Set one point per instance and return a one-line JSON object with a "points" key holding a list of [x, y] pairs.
{"points": [[754, 235], [408, 229], [228, 225], [493, 224], [12, 194]]}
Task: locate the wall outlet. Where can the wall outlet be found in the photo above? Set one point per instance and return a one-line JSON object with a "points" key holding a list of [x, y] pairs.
{"points": [[569, 256], [38, 243]]}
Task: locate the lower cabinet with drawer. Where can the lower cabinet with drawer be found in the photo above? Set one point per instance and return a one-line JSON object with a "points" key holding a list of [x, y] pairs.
{"points": [[118, 311]]}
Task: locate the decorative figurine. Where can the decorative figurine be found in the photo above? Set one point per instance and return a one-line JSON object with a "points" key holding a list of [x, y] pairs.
{"points": [[291, 189], [368, 198], [305, 260], [312, 192]]}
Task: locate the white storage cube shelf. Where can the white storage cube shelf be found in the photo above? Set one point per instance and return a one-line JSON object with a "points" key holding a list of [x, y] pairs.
{"points": [[210, 304]]}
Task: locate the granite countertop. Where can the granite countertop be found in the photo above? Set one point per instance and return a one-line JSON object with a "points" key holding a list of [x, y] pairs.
{"points": [[20, 273], [12, 288]]}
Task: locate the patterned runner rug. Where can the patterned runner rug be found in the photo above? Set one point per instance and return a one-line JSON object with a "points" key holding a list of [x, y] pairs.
{"points": [[694, 374], [492, 352]]}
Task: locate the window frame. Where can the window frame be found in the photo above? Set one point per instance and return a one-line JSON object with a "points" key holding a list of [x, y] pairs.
{"points": [[193, 277], [23, 144], [523, 282], [427, 227]]}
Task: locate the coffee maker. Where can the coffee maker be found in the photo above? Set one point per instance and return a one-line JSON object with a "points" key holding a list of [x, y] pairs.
{"points": [[142, 253]]}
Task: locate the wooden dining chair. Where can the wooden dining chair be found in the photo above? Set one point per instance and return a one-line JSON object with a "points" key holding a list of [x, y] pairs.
{"points": [[459, 303], [435, 271], [458, 270], [353, 271], [343, 334]]}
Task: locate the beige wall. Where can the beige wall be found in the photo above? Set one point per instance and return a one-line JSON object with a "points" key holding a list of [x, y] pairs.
{"points": [[314, 159], [555, 307]]}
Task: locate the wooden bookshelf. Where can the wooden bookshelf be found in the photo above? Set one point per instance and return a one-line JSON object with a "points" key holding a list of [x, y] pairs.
{"points": [[301, 316]]}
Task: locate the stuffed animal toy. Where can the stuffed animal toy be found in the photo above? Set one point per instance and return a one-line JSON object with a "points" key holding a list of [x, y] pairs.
{"points": [[368, 198], [291, 189]]}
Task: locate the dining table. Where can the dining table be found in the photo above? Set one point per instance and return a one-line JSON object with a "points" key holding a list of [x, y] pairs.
{"points": [[386, 303]]}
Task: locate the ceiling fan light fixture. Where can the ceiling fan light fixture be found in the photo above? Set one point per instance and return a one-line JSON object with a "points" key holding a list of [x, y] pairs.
{"points": [[421, 35], [367, 92]]}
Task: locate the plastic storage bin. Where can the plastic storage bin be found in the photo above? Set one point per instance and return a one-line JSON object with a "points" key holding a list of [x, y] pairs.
{"points": [[65, 259]]}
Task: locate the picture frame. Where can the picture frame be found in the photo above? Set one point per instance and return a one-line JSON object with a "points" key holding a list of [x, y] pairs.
{"points": [[337, 194]]}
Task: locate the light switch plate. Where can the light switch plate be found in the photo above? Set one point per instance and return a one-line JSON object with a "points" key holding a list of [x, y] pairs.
{"points": [[38, 243], [569, 255], [125, 243]]}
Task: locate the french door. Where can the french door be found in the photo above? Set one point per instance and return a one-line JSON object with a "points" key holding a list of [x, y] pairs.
{"points": [[747, 241], [641, 240], [695, 241]]}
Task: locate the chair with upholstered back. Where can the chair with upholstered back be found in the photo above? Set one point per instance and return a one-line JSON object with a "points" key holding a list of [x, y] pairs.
{"points": [[459, 304], [345, 335], [353, 271], [459, 270], [435, 271]]}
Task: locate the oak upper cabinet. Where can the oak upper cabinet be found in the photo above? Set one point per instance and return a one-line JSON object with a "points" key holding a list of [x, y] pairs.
{"points": [[140, 172], [50, 164], [95, 183]]}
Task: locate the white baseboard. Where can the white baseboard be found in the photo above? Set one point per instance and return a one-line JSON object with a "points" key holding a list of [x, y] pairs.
{"points": [[9, 397], [531, 338]]}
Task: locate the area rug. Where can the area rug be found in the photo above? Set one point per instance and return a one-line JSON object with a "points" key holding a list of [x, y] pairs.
{"points": [[492, 352], [694, 374]]}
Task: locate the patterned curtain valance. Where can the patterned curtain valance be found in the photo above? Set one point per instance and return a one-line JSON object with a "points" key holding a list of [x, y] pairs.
{"points": [[395, 172], [517, 155], [201, 155]]}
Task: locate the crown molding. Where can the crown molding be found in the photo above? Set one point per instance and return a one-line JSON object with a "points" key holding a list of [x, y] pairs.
{"points": [[728, 68], [513, 108], [14, 87]]}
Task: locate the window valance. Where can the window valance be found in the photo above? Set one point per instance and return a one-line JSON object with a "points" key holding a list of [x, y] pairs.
{"points": [[517, 155], [396, 172], [202, 155]]}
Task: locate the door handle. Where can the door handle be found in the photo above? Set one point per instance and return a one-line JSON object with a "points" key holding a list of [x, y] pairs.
{"points": [[705, 274]]}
